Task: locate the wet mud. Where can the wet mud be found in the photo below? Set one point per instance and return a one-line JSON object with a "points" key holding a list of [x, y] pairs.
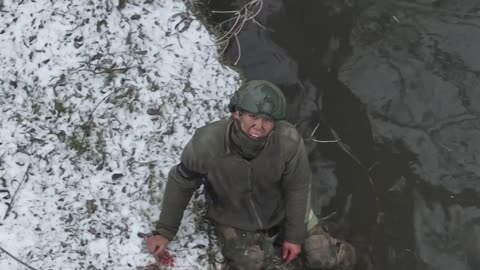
{"points": [[387, 97]]}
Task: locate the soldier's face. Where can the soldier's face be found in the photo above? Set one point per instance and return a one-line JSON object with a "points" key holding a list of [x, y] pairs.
{"points": [[254, 125]]}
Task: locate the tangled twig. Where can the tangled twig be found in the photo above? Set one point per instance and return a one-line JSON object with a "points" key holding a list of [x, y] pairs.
{"points": [[247, 12]]}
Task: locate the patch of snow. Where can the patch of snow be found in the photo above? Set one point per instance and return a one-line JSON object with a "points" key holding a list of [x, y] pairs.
{"points": [[96, 104]]}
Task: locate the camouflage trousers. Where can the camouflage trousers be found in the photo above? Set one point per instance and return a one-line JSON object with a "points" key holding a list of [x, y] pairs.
{"points": [[244, 250]]}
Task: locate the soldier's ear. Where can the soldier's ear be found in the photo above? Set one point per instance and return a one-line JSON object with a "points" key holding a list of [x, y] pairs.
{"points": [[236, 115]]}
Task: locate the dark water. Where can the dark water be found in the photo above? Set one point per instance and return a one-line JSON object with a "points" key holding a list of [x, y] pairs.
{"points": [[398, 83]]}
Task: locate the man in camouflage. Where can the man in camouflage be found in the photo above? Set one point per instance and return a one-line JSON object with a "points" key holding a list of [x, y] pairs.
{"points": [[257, 180]]}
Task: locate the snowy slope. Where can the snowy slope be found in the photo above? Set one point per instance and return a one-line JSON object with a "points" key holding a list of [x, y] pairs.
{"points": [[96, 103]]}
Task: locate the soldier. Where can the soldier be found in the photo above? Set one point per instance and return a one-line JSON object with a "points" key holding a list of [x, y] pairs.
{"points": [[257, 180]]}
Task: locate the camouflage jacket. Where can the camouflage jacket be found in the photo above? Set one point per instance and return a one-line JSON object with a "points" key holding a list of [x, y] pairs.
{"points": [[270, 190]]}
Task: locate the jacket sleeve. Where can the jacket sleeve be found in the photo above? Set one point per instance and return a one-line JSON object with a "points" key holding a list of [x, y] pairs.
{"points": [[296, 185], [183, 180]]}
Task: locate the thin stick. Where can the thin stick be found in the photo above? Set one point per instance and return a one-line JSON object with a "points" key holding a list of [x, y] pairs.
{"points": [[249, 3], [258, 10], [319, 141], [240, 27], [224, 11], [226, 35], [259, 24], [90, 118], [227, 42], [315, 130], [10, 206], [329, 216], [224, 22], [239, 50], [16, 259], [347, 150]]}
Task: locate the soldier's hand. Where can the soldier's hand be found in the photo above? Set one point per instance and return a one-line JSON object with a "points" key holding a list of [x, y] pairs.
{"points": [[157, 245], [290, 251]]}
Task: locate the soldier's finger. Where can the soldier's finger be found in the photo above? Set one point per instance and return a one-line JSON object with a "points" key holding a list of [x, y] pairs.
{"points": [[160, 250], [291, 257], [285, 253]]}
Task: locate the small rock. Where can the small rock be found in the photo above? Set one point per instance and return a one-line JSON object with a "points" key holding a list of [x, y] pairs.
{"points": [[135, 17], [116, 176]]}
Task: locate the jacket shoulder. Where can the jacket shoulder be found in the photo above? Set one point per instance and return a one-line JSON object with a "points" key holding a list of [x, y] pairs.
{"points": [[287, 133], [287, 138], [211, 136]]}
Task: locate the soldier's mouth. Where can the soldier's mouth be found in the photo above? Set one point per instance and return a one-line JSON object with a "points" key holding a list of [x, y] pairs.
{"points": [[254, 135]]}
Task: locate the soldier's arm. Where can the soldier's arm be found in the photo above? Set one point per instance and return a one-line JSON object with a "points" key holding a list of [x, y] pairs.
{"points": [[296, 186], [183, 180]]}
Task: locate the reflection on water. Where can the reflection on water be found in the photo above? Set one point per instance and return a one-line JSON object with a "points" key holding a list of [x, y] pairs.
{"points": [[398, 83]]}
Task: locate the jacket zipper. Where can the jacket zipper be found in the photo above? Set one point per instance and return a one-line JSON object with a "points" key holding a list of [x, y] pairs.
{"points": [[250, 197]]}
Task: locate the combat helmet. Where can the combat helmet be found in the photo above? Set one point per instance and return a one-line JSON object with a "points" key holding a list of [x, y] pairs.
{"points": [[260, 97]]}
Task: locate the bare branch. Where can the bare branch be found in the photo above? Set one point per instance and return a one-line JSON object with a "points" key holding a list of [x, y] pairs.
{"points": [[90, 118], [239, 29], [239, 50], [16, 259], [312, 138], [260, 3], [225, 11], [227, 42], [314, 130], [345, 148], [261, 25], [25, 178], [227, 35], [218, 26], [327, 141]]}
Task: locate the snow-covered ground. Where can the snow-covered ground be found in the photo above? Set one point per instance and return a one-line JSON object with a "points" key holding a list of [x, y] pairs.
{"points": [[96, 103]]}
